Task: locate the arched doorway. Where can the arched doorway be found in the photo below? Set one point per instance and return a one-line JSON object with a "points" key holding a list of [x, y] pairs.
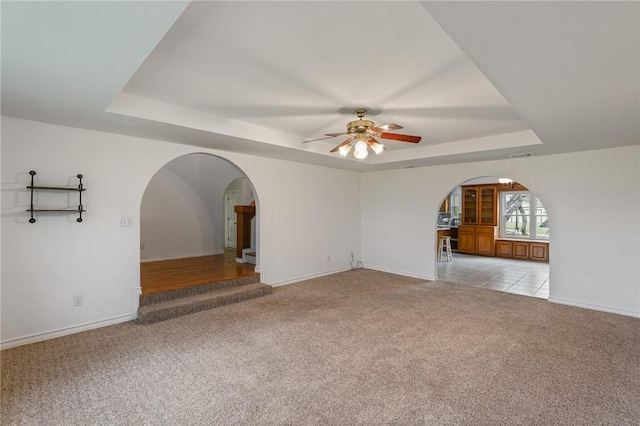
{"points": [[499, 235], [182, 224]]}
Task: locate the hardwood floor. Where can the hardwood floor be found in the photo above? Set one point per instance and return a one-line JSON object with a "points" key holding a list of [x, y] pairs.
{"points": [[156, 277]]}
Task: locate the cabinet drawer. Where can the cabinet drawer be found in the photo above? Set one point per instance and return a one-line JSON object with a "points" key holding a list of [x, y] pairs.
{"points": [[485, 230]]}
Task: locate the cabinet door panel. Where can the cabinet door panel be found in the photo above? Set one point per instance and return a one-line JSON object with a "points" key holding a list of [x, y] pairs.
{"points": [[466, 241], [484, 244], [520, 250], [469, 205], [539, 252], [487, 206], [503, 248]]}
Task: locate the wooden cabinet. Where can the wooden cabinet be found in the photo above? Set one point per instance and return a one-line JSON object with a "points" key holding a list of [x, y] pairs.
{"points": [[522, 250], [479, 205], [485, 237], [539, 251], [476, 240], [466, 240], [504, 248], [469, 205], [487, 206], [244, 214]]}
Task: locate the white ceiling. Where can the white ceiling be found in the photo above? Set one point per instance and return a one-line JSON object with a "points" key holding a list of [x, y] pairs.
{"points": [[477, 80]]}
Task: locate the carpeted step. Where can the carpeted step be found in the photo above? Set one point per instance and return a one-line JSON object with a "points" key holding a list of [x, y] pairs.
{"points": [[171, 308], [147, 299]]}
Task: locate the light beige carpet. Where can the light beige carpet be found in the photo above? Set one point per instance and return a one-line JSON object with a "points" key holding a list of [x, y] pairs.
{"points": [[360, 347]]}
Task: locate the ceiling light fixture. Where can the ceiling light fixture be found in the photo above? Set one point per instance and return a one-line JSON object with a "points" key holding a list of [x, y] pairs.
{"points": [[344, 150], [377, 147], [362, 135], [360, 150], [361, 143]]}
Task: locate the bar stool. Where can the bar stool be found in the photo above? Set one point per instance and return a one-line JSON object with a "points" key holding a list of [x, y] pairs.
{"points": [[444, 247]]}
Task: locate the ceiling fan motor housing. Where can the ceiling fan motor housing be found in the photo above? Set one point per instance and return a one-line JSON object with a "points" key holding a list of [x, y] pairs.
{"points": [[359, 126]]}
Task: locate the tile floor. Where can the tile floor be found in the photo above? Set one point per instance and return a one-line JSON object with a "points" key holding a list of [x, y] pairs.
{"points": [[524, 277]]}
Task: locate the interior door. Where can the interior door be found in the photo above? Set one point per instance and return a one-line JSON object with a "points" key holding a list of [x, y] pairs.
{"points": [[230, 201]]}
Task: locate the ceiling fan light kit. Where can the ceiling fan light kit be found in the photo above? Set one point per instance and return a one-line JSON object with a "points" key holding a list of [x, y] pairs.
{"points": [[344, 150], [377, 147], [360, 150], [361, 136]]}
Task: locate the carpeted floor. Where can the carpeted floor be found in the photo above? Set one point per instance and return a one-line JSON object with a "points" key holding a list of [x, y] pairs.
{"points": [[360, 347]]}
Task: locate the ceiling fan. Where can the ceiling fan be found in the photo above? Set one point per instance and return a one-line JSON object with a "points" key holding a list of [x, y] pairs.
{"points": [[361, 136]]}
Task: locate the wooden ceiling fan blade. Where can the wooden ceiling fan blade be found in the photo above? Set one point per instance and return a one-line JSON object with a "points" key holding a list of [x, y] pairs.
{"points": [[346, 142], [401, 138], [386, 127]]}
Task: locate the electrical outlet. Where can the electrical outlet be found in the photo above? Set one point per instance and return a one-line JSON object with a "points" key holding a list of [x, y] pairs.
{"points": [[141, 246], [77, 300], [126, 222], [328, 258]]}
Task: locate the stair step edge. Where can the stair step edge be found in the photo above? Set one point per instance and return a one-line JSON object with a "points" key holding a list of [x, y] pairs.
{"points": [[148, 299], [214, 294], [154, 313]]}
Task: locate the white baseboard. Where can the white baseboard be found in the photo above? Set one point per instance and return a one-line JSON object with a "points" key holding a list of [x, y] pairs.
{"points": [[308, 277], [403, 273], [595, 307], [38, 337], [181, 256]]}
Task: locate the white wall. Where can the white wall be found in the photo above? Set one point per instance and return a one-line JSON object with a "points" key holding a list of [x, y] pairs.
{"points": [[182, 211], [593, 199], [306, 213]]}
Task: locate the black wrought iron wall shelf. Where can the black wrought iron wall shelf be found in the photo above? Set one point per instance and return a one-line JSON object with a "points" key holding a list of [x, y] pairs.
{"points": [[78, 188]]}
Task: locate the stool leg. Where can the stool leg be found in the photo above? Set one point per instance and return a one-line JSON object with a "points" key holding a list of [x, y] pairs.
{"points": [[449, 257]]}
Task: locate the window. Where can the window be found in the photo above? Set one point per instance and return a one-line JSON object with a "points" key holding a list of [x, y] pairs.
{"points": [[522, 216], [455, 205]]}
